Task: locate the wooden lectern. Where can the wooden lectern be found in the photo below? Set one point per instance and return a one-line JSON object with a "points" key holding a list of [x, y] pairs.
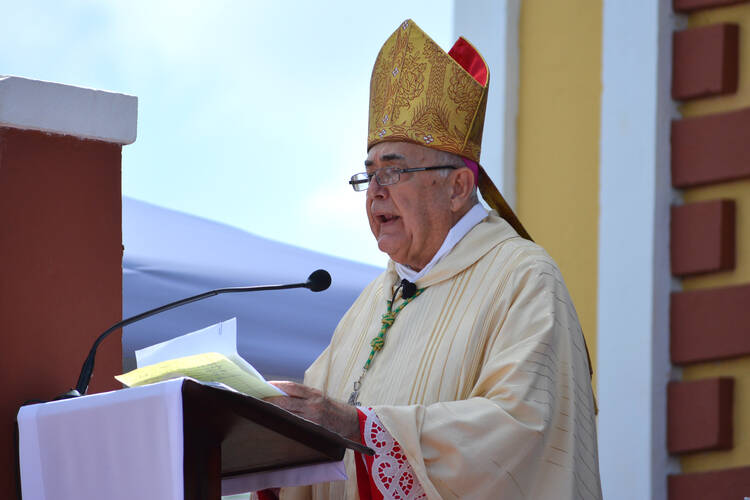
{"points": [[233, 424], [224, 436]]}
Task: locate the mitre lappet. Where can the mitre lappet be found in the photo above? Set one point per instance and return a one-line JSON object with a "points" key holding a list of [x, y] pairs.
{"points": [[423, 95]]}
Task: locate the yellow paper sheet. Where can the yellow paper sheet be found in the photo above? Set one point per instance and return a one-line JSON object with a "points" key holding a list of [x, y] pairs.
{"points": [[206, 367]]}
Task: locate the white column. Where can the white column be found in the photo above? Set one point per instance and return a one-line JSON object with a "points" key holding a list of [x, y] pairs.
{"points": [[634, 277], [492, 27]]}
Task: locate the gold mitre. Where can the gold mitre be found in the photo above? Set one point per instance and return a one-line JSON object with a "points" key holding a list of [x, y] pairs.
{"points": [[421, 94]]}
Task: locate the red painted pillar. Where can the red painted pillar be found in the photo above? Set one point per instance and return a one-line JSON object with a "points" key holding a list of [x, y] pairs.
{"points": [[60, 242]]}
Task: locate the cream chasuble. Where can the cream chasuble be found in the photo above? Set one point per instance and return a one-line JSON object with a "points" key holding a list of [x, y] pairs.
{"points": [[483, 379]]}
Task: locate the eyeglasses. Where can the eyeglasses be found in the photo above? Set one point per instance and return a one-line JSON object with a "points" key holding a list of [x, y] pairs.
{"points": [[387, 176]]}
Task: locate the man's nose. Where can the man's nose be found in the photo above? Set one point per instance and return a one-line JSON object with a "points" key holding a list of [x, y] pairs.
{"points": [[375, 190]]}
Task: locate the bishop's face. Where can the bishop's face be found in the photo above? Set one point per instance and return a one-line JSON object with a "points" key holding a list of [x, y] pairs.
{"points": [[409, 219]]}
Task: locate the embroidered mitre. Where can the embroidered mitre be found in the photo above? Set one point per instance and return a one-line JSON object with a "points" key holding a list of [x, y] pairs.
{"points": [[420, 94]]}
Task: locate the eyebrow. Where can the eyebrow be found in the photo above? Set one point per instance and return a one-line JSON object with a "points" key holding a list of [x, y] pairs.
{"points": [[385, 157]]}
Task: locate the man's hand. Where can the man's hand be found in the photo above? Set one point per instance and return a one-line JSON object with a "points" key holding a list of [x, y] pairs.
{"points": [[311, 404]]}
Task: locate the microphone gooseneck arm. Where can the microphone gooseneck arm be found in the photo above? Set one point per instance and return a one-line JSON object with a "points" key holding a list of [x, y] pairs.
{"points": [[318, 281]]}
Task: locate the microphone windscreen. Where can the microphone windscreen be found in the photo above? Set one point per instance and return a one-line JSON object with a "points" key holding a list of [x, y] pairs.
{"points": [[408, 289], [319, 280]]}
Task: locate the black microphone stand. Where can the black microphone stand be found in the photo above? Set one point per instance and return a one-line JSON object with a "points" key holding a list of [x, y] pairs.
{"points": [[318, 281]]}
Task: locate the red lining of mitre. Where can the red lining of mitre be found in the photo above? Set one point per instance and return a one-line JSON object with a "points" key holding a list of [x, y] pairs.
{"points": [[467, 56]]}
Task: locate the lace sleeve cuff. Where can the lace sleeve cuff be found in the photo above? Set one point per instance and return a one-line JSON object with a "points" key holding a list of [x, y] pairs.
{"points": [[387, 475]]}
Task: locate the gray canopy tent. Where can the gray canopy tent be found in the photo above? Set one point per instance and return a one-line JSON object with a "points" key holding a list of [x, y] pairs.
{"points": [[170, 255]]}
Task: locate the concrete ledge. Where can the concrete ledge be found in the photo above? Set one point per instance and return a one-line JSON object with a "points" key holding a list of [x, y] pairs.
{"points": [[67, 110], [705, 61], [711, 149], [709, 324], [699, 415], [702, 237]]}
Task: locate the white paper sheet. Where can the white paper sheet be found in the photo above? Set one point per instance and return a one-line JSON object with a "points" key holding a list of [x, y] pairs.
{"points": [[221, 338]]}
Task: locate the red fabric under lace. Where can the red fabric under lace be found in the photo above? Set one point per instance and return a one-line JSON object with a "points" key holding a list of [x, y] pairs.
{"points": [[387, 475]]}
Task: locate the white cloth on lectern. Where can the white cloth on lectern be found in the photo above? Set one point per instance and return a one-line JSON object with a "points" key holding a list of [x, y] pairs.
{"points": [[68, 448], [122, 445]]}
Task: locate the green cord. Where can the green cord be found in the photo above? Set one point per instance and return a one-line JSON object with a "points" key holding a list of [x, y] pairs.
{"points": [[387, 321], [379, 341]]}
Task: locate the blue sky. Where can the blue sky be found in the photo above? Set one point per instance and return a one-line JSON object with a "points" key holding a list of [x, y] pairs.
{"points": [[250, 113]]}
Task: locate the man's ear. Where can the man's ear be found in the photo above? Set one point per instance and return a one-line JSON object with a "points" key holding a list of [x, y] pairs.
{"points": [[461, 187]]}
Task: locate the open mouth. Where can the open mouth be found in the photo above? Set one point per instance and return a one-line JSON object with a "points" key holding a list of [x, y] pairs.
{"points": [[383, 219]]}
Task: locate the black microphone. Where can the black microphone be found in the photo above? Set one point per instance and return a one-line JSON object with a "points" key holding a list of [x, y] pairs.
{"points": [[317, 282], [408, 289]]}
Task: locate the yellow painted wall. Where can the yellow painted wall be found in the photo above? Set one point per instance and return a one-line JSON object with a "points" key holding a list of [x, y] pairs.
{"points": [[558, 141], [740, 192]]}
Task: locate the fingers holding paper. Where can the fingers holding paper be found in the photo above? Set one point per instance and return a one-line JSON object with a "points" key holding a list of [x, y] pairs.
{"points": [[313, 405]]}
